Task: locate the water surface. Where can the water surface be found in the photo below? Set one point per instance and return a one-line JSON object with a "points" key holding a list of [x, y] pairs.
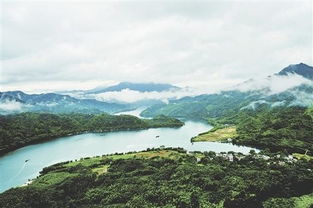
{"points": [[14, 171]]}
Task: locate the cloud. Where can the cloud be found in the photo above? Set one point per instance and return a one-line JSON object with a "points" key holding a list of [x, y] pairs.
{"points": [[129, 96], [274, 84], [302, 98], [213, 44], [253, 105], [12, 106]]}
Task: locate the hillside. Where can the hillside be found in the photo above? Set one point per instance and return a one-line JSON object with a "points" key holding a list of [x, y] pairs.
{"points": [[226, 103], [170, 178], [281, 129]]}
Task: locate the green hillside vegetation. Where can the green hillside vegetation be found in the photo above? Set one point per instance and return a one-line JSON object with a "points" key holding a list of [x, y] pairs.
{"points": [[169, 178], [228, 103], [305, 201], [270, 122], [279, 129], [179, 110], [220, 134], [204, 106], [285, 129], [22, 129]]}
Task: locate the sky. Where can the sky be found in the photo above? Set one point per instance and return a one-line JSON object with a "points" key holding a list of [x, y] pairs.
{"points": [[65, 45]]}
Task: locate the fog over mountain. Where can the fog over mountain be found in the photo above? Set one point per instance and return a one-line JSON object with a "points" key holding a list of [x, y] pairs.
{"points": [[186, 48], [18, 101], [292, 88], [273, 84]]}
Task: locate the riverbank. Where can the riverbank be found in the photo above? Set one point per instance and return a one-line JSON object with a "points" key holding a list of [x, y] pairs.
{"points": [[91, 144], [25, 129], [142, 179], [221, 134]]}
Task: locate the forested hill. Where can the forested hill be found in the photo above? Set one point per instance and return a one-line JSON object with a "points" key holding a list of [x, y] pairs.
{"points": [[253, 94], [22, 129], [170, 178], [280, 129], [227, 103]]}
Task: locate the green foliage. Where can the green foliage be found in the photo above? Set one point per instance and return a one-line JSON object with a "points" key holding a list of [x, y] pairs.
{"points": [[286, 129], [305, 201], [204, 106], [179, 110], [259, 123], [21, 129], [141, 180]]}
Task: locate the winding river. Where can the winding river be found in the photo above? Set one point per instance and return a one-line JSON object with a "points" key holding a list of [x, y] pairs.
{"points": [[14, 171]]}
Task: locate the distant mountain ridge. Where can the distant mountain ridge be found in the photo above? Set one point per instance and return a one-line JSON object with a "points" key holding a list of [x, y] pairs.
{"points": [[141, 87], [202, 106], [211, 106], [300, 69], [56, 103]]}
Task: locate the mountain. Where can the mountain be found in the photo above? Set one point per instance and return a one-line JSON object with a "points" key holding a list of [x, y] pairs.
{"points": [[204, 106], [141, 87], [300, 69], [226, 103], [54, 103], [8, 97], [211, 106]]}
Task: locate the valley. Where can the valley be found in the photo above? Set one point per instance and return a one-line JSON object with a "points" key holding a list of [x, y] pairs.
{"points": [[234, 149], [156, 104], [15, 171]]}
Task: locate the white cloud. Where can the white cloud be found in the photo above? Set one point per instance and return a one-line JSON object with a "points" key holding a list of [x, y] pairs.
{"points": [[302, 98], [209, 44], [253, 105], [274, 84], [129, 96], [10, 106]]}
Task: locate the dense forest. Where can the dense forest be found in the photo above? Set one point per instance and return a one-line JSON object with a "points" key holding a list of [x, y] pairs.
{"points": [[203, 106], [170, 178], [229, 103], [286, 129], [278, 129], [18, 130]]}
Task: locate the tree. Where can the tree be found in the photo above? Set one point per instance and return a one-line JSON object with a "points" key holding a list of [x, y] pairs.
{"points": [[194, 200]]}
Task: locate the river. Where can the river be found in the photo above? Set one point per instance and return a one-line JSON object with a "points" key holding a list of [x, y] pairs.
{"points": [[14, 171]]}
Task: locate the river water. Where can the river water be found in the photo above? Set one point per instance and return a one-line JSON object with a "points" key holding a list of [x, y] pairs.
{"points": [[14, 171]]}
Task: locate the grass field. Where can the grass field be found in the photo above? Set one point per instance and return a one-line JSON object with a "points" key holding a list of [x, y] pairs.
{"points": [[220, 134]]}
